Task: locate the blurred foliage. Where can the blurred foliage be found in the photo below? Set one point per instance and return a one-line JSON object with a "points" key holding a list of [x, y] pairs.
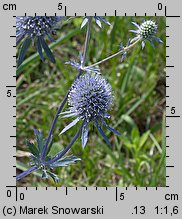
{"points": [[138, 155]]}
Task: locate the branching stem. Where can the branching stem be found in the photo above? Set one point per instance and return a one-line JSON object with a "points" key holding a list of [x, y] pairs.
{"points": [[54, 159], [66, 97], [62, 153], [125, 49], [25, 173]]}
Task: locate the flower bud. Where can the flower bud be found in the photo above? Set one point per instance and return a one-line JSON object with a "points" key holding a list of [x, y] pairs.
{"points": [[147, 29]]}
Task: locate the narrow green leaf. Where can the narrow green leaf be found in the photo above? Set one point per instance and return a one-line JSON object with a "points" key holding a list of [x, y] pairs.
{"points": [[129, 120], [136, 105], [135, 136], [156, 143], [129, 71], [143, 139]]}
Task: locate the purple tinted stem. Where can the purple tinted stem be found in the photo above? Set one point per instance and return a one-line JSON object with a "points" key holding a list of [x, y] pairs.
{"points": [[62, 153], [86, 41], [25, 173], [53, 125], [66, 97]]}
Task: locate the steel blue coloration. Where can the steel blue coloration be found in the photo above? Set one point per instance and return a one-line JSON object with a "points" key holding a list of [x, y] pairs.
{"points": [[98, 20], [35, 29], [146, 31], [89, 100]]}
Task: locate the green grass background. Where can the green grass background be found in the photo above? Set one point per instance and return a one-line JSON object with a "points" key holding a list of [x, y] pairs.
{"points": [[138, 155]]}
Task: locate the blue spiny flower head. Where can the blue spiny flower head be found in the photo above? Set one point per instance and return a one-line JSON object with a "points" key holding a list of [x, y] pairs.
{"points": [[146, 31], [34, 29], [90, 97], [89, 100]]}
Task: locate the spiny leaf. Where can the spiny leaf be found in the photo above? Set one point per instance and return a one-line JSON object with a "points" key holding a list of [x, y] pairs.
{"points": [[23, 50], [109, 128], [98, 22], [102, 133], [19, 37], [32, 148], [63, 162], [85, 20], [53, 176], [44, 174], [39, 48], [84, 134], [105, 21], [70, 125], [40, 139], [47, 50]]}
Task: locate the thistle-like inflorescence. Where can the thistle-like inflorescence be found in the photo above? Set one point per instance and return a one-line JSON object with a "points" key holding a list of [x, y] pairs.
{"points": [[146, 31], [89, 100], [90, 96], [34, 29], [36, 150]]}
